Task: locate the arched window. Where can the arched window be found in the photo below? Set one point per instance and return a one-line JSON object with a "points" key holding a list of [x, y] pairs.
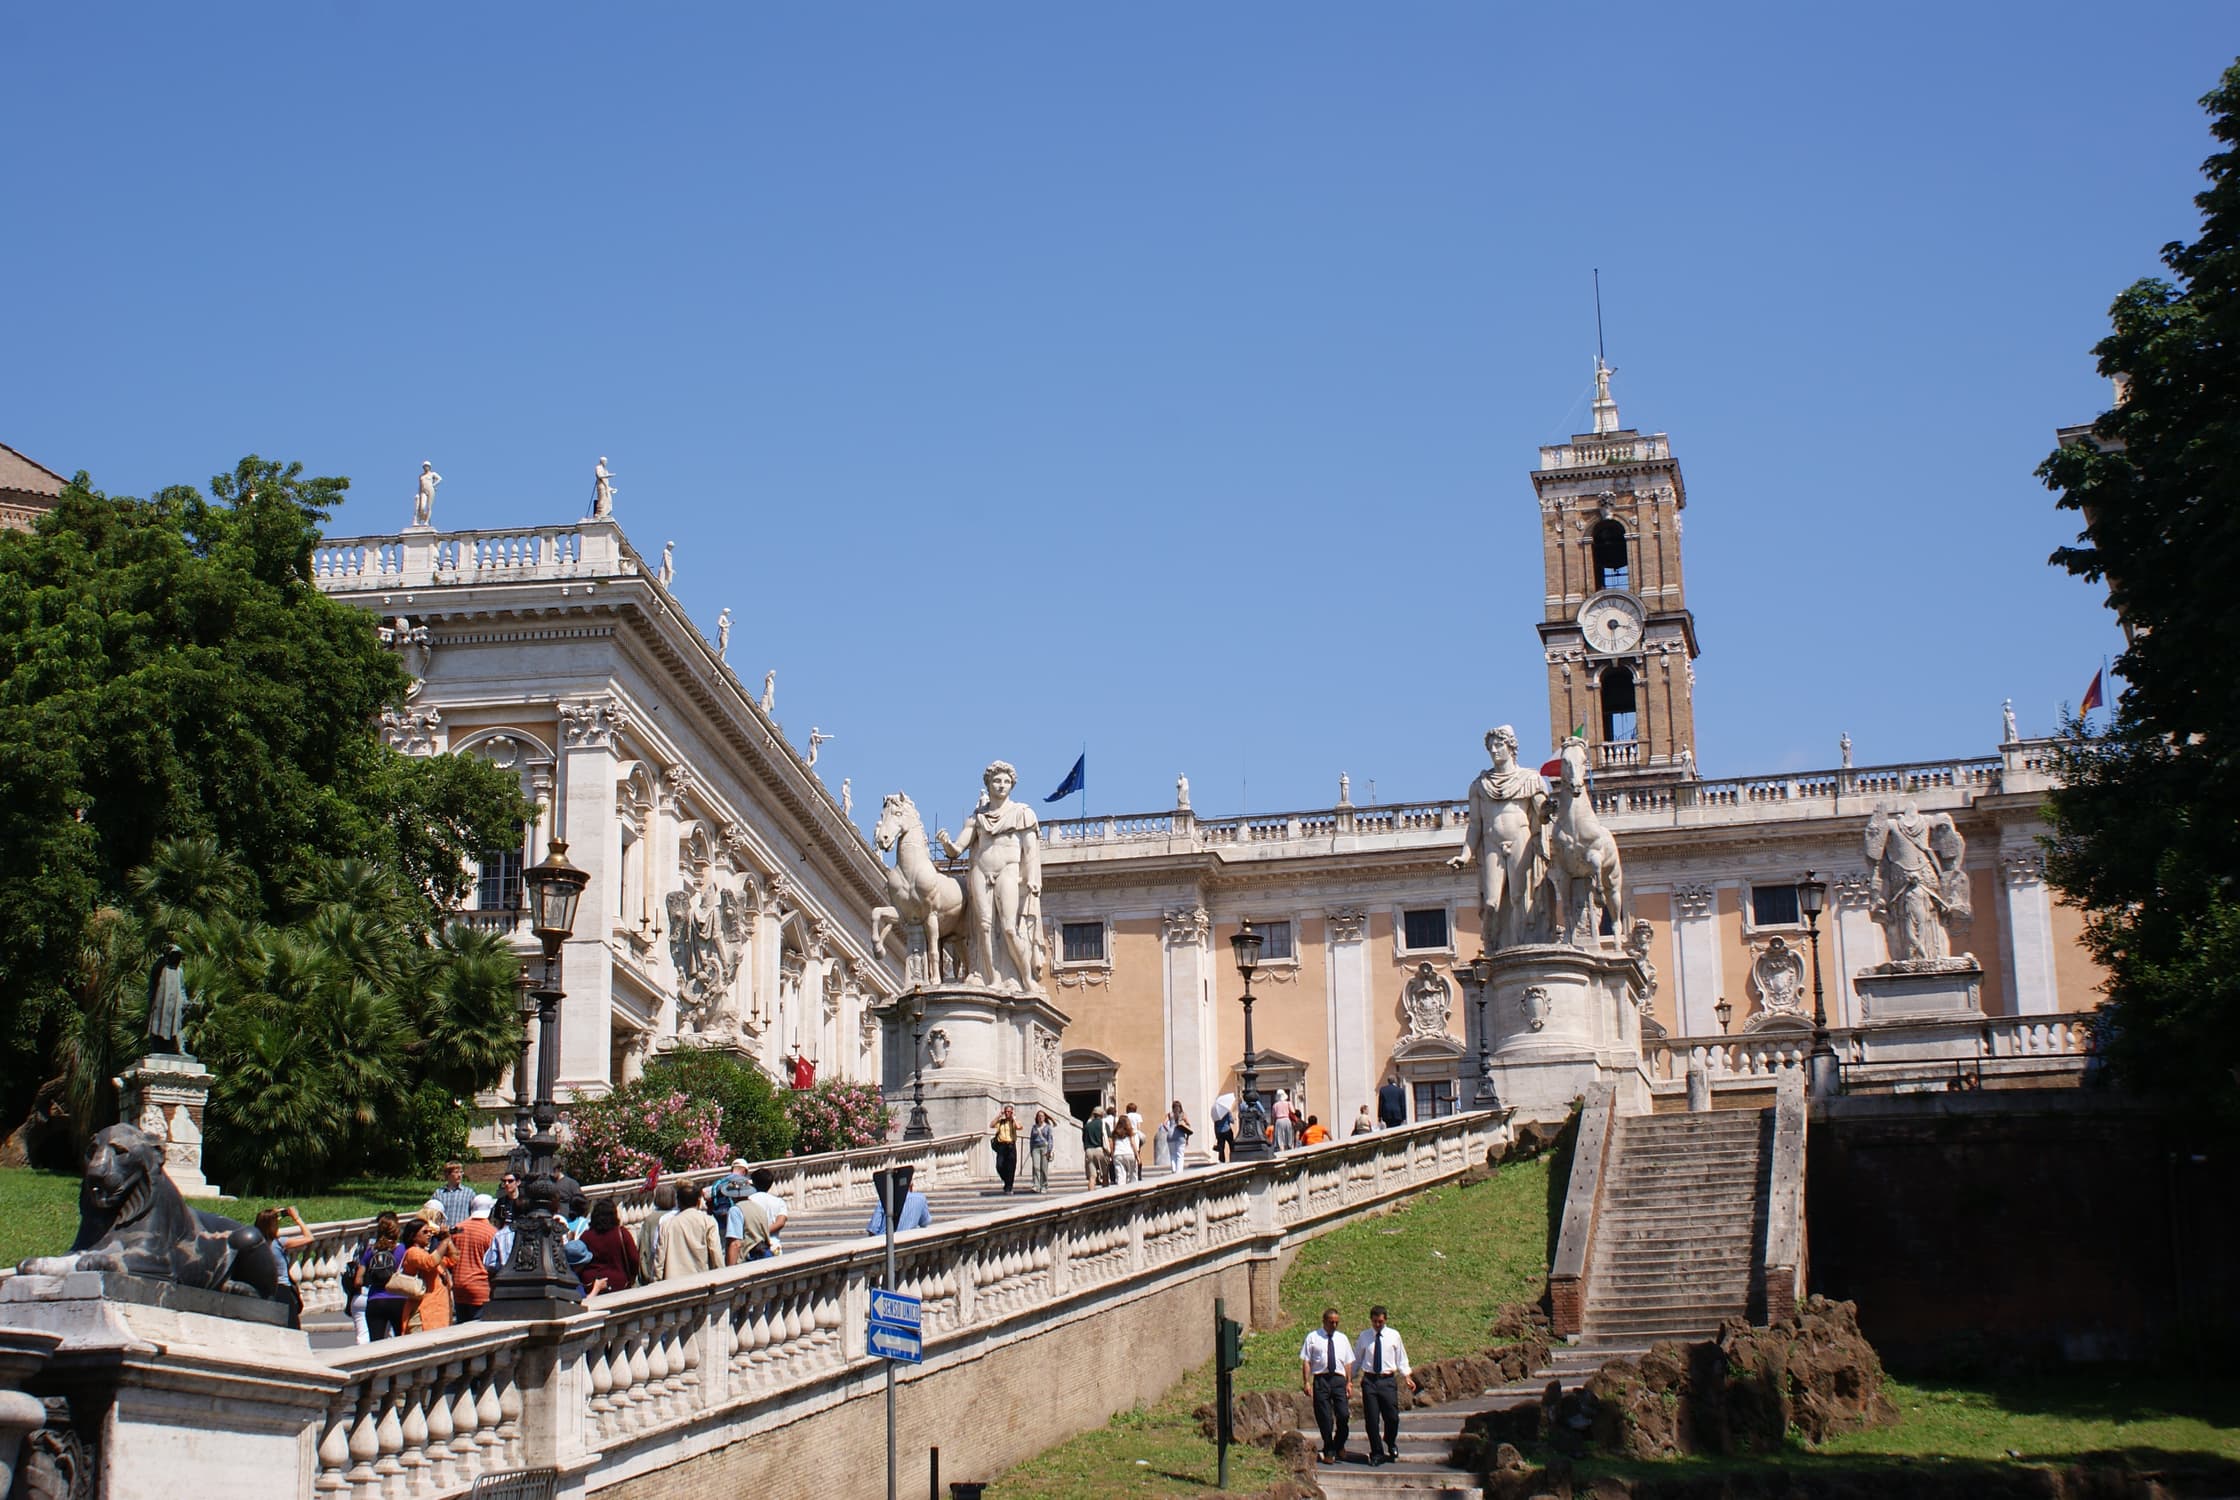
{"points": [[1610, 570], [1617, 706]]}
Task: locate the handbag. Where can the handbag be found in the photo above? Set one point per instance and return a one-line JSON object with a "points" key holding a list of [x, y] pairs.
{"points": [[405, 1284]]}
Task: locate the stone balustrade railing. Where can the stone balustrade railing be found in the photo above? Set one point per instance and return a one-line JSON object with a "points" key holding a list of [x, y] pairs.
{"points": [[422, 557], [607, 1393], [1612, 450], [1765, 1055], [820, 1181]]}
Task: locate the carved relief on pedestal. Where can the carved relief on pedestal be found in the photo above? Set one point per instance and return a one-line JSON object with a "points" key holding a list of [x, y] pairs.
{"points": [[937, 1048], [1045, 1053], [1535, 1004], [1185, 926]]}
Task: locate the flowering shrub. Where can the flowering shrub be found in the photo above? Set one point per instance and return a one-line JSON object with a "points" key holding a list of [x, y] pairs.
{"points": [[837, 1116], [640, 1126]]}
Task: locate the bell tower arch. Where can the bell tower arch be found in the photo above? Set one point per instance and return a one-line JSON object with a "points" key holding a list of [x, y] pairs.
{"points": [[1615, 627]]}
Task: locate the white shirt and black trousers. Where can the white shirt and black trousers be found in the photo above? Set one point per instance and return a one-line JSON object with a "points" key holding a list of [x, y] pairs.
{"points": [[1382, 1359], [1328, 1356]]}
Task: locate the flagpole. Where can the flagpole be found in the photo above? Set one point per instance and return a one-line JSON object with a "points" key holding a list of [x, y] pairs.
{"points": [[1084, 787]]}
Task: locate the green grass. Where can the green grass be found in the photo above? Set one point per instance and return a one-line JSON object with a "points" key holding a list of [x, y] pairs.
{"points": [[39, 1210], [1443, 1263]]}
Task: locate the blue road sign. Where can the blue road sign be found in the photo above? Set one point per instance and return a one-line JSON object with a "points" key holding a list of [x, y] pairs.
{"points": [[894, 1341], [894, 1307]]}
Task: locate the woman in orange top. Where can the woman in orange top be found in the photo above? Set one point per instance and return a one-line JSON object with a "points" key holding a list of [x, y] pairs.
{"points": [[428, 1256]]}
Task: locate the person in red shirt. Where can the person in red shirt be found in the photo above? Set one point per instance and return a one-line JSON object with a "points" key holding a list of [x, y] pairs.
{"points": [[470, 1279]]}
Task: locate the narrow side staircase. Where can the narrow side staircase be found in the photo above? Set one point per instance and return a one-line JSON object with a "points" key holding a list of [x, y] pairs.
{"points": [[1680, 1228]]}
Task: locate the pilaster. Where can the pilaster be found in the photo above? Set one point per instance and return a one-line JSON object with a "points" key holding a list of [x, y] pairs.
{"points": [[1354, 1063], [2026, 937], [1695, 939], [1193, 1063], [1857, 945]]}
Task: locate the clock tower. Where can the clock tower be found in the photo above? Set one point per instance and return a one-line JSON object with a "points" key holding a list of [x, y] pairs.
{"points": [[1619, 640]]}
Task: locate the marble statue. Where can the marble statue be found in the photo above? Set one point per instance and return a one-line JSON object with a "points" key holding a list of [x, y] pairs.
{"points": [[1919, 887], [2006, 717], [1182, 791], [424, 500], [1345, 790], [770, 691], [413, 642], [167, 1001], [919, 894], [847, 799], [668, 573], [817, 738], [1844, 745], [1428, 1003], [602, 491], [132, 1221], [1506, 838], [1585, 879], [1003, 889], [709, 924], [723, 636]]}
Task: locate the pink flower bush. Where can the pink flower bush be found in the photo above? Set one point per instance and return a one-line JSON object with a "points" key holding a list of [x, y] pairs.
{"points": [[837, 1116], [641, 1126]]}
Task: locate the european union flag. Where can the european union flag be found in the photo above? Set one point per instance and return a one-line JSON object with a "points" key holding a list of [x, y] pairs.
{"points": [[1076, 779]]}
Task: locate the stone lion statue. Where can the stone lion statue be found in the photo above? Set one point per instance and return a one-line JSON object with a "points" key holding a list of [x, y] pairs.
{"points": [[131, 1220]]}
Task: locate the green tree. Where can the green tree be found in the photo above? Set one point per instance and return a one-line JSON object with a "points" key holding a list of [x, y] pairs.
{"points": [[168, 671], [2147, 821]]}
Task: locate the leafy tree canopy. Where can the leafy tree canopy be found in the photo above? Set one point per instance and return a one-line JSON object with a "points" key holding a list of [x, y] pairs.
{"points": [[169, 672], [2147, 824]]}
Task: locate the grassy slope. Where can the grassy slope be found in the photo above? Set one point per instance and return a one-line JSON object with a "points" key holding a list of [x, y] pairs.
{"points": [[1443, 1264]]}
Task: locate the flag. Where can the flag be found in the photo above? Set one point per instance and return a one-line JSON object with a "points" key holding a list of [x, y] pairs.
{"points": [[1553, 767], [1076, 779], [2092, 698]]}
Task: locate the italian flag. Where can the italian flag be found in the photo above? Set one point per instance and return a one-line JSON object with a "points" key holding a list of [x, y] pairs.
{"points": [[1554, 765]]}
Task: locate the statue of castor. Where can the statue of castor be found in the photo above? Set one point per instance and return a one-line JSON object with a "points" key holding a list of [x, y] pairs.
{"points": [[131, 1219]]}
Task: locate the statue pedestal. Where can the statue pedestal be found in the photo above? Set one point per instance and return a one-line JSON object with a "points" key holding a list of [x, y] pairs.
{"points": [[164, 1094], [982, 1048], [1561, 1019], [1925, 1014]]}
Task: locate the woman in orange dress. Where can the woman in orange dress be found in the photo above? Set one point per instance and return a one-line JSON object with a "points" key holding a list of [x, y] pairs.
{"points": [[428, 1256]]}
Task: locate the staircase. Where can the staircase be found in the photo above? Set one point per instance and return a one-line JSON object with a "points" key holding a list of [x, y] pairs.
{"points": [[1679, 1230]]}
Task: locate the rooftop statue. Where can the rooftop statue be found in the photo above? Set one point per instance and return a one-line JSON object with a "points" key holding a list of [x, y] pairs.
{"points": [[424, 499], [602, 491]]}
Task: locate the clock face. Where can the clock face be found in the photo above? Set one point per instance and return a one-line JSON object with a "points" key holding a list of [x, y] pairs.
{"points": [[1611, 623]]}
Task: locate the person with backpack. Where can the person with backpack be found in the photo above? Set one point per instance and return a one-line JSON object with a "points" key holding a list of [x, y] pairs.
{"points": [[1094, 1154], [735, 1188], [377, 1269]]}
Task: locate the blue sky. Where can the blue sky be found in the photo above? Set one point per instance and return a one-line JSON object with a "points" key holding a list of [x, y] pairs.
{"points": [[1162, 378]]}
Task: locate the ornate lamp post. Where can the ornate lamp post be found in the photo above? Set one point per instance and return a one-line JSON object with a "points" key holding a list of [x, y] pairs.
{"points": [[1481, 973], [920, 1127], [1812, 899], [518, 1159], [1252, 1117], [1724, 1010], [535, 1281]]}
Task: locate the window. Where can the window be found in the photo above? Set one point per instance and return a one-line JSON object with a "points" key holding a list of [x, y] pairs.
{"points": [[1424, 927], [1617, 706], [1773, 906], [1275, 942], [1435, 1098], [498, 887], [1610, 571], [1082, 942]]}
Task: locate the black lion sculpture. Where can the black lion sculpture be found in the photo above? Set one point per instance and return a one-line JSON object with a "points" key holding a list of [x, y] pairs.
{"points": [[132, 1220]]}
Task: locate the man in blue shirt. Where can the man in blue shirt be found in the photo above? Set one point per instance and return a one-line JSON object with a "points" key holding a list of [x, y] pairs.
{"points": [[915, 1215]]}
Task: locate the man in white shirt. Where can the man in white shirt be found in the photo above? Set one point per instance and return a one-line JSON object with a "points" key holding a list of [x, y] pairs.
{"points": [[1382, 1360], [771, 1204], [1324, 1362]]}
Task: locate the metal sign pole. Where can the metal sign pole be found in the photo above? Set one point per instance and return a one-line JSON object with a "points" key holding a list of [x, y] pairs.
{"points": [[894, 1210]]}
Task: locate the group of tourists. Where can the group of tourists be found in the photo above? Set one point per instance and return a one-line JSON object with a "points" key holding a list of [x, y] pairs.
{"points": [[1114, 1143], [1331, 1367], [1042, 1144], [1287, 1123]]}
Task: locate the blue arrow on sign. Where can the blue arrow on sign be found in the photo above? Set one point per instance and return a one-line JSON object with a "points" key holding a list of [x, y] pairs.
{"points": [[894, 1307], [893, 1341]]}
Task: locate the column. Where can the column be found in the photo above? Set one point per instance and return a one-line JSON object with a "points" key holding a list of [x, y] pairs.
{"points": [[1354, 1062], [1856, 946], [1194, 1068], [1695, 940], [2026, 937]]}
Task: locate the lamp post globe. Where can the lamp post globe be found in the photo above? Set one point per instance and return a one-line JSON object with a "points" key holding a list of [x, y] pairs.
{"points": [[1252, 1116]]}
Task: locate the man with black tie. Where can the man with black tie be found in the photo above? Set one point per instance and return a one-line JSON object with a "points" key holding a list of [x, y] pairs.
{"points": [[1324, 1362], [1382, 1359]]}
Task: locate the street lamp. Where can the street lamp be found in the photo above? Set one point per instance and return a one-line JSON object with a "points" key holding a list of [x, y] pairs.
{"points": [[535, 1281], [920, 1127], [1252, 1119], [525, 997], [1724, 1010], [1481, 972], [1812, 899]]}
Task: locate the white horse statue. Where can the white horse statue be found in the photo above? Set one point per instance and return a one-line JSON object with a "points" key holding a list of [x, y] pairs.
{"points": [[921, 896], [1584, 878]]}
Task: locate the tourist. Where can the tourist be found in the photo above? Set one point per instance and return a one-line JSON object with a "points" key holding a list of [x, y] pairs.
{"points": [[455, 1198], [1127, 1165], [691, 1242], [501, 1238], [1135, 1121], [377, 1264], [1286, 1135], [614, 1250], [1316, 1132], [773, 1207], [746, 1231], [427, 1259], [268, 1225], [916, 1212], [1362, 1124], [1006, 1128], [1096, 1155], [1382, 1362], [664, 1209], [1042, 1142], [1178, 1135], [1224, 1124], [1324, 1362], [509, 1189], [1392, 1104], [470, 1278], [729, 1190]]}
